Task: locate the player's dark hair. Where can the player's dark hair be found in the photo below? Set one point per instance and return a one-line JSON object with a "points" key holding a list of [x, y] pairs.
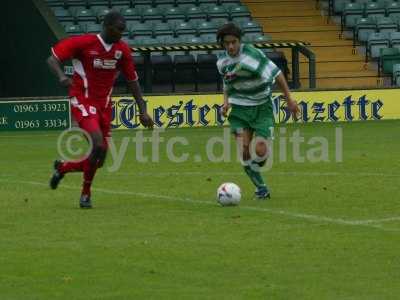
{"points": [[228, 29], [112, 17]]}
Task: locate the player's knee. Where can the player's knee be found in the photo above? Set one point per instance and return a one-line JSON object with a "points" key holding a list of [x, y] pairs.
{"points": [[102, 158], [246, 152]]}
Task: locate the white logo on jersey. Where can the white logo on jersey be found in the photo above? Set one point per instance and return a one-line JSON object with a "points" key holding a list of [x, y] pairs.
{"points": [[108, 64], [118, 54]]}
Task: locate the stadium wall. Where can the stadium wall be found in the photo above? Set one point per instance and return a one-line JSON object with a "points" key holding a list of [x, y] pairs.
{"points": [[28, 33], [201, 110]]}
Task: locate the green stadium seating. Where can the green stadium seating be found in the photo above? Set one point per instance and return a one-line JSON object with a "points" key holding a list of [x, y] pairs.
{"points": [[55, 3], [239, 11], [396, 74], [96, 3], [375, 9], [250, 27], [74, 29], [85, 15], [75, 3], [185, 28], [141, 29], [217, 13], [364, 27], [394, 39], [377, 41], [131, 14], [195, 13], [386, 25], [393, 9], [388, 58], [94, 28], [162, 29], [62, 14], [174, 13], [352, 12], [152, 14], [339, 6], [100, 12]]}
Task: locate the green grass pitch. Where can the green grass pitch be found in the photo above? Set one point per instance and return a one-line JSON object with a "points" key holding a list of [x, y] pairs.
{"points": [[330, 231]]}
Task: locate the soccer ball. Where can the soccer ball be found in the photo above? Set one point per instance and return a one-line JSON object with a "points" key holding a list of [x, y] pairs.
{"points": [[228, 194]]}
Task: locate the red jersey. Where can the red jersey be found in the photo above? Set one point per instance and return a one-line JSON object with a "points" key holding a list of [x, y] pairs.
{"points": [[96, 66]]}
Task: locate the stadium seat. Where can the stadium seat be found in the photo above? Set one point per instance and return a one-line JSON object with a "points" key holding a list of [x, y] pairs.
{"points": [[363, 28], [100, 12], [396, 74], [121, 3], [351, 12], [239, 11], [55, 3], [339, 6], [206, 28], [174, 13], [251, 27], [152, 14], [195, 13], [393, 9], [74, 30], [98, 3], [141, 29], [218, 13], [255, 37], [160, 29], [85, 16], [394, 39], [62, 14], [75, 3], [184, 2], [93, 28], [386, 25], [184, 28], [375, 9], [377, 41], [162, 70], [185, 70], [207, 71], [389, 57], [131, 14]]}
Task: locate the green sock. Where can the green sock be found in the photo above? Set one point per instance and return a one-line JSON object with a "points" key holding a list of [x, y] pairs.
{"points": [[252, 170]]}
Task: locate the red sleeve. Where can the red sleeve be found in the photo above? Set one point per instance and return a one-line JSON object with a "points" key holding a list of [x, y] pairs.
{"points": [[68, 48], [127, 65]]}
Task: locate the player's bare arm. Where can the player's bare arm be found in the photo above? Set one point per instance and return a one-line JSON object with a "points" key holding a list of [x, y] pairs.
{"points": [[226, 105], [56, 69], [292, 104], [144, 117]]}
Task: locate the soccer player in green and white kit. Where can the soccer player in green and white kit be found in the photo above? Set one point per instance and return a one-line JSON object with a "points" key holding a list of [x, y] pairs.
{"points": [[248, 77]]}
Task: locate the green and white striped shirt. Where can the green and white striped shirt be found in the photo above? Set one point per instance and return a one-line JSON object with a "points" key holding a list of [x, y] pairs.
{"points": [[248, 77]]}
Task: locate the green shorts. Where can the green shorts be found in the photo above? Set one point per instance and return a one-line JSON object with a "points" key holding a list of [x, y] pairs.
{"points": [[259, 119]]}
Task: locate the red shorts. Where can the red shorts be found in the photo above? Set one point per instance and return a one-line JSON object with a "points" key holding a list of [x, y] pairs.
{"points": [[92, 118]]}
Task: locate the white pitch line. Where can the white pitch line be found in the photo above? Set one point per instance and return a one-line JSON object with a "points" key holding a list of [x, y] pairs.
{"points": [[309, 217], [167, 174]]}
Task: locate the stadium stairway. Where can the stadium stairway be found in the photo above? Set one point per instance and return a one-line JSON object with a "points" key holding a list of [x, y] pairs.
{"points": [[337, 65]]}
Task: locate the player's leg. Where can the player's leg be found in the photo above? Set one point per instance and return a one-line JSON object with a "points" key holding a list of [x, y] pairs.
{"points": [[239, 120], [92, 126], [262, 125], [105, 124], [78, 113]]}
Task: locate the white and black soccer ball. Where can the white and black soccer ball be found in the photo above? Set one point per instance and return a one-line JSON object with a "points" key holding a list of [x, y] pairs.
{"points": [[228, 194]]}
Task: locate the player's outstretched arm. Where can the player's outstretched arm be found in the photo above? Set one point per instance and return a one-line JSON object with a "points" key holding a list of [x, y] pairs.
{"points": [[144, 117], [292, 105], [56, 69]]}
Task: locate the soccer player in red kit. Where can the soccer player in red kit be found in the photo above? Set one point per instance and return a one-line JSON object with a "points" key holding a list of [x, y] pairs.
{"points": [[97, 60]]}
